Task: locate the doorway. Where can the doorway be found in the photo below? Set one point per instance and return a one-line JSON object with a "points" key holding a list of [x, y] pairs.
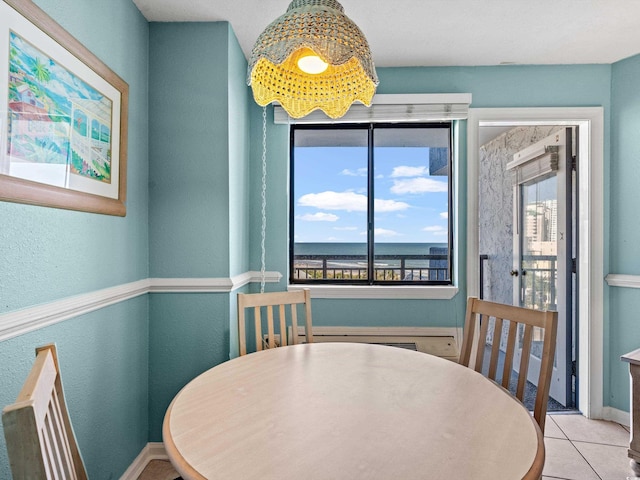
{"points": [[588, 318], [526, 220]]}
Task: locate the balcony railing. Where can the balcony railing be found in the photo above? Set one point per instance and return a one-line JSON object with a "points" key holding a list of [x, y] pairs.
{"points": [[386, 267], [539, 281]]}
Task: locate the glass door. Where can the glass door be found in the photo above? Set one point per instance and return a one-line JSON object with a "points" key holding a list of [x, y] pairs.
{"points": [[542, 259]]}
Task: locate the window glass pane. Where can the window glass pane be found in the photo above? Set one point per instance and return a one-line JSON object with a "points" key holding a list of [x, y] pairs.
{"points": [[539, 250], [539, 244], [411, 218], [335, 172], [330, 204]]}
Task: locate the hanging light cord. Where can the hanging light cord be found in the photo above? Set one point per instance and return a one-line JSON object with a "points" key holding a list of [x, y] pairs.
{"points": [[264, 200]]}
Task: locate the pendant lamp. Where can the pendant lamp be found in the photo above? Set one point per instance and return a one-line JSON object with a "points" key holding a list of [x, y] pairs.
{"points": [[312, 57]]}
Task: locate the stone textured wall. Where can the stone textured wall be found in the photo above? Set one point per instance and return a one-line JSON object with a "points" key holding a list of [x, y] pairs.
{"points": [[496, 207]]}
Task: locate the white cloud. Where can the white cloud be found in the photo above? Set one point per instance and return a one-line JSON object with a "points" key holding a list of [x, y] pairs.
{"points": [[383, 232], [360, 172], [444, 215], [349, 201], [345, 229], [418, 185], [380, 205], [318, 217], [435, 230], [405, 171]]}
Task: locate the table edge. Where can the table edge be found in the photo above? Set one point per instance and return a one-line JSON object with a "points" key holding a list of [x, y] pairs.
{"points": [[535, 472], [189, 473], [175, 457]]}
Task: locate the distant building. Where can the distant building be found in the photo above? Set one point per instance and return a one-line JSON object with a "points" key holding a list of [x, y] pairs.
{"points": [[438, 161], [542, 227]]}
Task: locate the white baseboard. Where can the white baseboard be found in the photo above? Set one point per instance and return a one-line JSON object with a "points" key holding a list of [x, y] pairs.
{"points": [[151, 451], [615, 415]]}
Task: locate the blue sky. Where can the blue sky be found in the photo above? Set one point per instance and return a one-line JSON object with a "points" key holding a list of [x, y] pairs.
{"points": [[331, 195]]}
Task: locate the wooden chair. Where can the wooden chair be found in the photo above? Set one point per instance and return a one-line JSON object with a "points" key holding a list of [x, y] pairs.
{"points": [[257, 301], [514, 316], [40, 439]]}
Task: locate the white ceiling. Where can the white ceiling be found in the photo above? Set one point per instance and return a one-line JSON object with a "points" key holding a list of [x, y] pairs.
{"points": [[449, 32]]}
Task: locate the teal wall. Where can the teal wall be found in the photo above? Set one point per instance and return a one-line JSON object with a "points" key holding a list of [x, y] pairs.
{"points": [[623, 333], [188, 334], [198, 215], [239, 123], [188, 150], [193, 210], [239, 176], [104, 363], [504, 86], [277, 193], [48, 254]]}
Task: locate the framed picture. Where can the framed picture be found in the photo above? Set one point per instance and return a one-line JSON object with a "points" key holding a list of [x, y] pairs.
{"points": [[63, 117]]}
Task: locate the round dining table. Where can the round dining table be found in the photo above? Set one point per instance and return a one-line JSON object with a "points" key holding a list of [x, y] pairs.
{"points": [[326, 411]]}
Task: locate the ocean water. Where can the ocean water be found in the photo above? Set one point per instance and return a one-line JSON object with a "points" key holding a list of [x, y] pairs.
{"points": [[361, 249], [393, 261]]}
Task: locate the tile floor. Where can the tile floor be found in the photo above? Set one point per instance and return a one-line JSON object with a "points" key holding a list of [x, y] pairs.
{"points": [[582, 449], [576, 449]]}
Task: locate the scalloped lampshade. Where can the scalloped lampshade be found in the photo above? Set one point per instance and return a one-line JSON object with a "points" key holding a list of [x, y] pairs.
{"points": [[312, 57]]}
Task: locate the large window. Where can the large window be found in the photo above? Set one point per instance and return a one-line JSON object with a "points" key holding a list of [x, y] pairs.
{"points": [[371, 204]]}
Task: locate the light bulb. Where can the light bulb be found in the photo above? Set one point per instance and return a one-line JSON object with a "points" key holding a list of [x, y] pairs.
{"points": [[312, 64]]}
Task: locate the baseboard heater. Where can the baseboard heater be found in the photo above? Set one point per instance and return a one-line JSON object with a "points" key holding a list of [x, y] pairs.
{"points": [[442, 342]]}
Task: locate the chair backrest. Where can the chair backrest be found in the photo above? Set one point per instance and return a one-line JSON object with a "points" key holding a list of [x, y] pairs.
{"points": [[513, 316], [40, 439], [271, 301]]}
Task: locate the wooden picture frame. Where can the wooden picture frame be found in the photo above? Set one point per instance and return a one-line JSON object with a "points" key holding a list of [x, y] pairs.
{"points": [[63, 117]]}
